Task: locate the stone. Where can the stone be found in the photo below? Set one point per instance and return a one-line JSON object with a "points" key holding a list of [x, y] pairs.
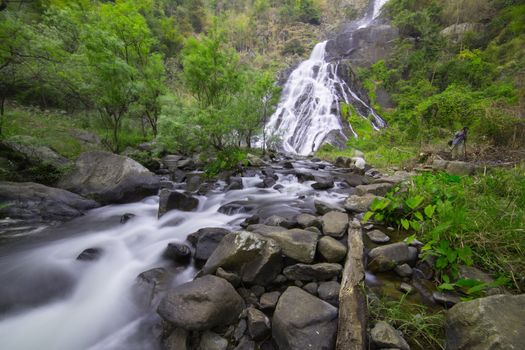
{"points": [[268, 301], [178, 340], [494, 322], [245, 344], [231, 277], [323, 208], [240, 329], [378, 189], [126, 217], [110, 178], [329, 292], [174, 200], [255, 258], [179, 253], [212, 341], [152, 284], [295, 243], [359, 204], [207, 242], [308, 220], [90, 254], [265, 229], [377, 236], [34, 202], [193, 181], [403, 270], [252, 220], [446, 299], [170, 161], [302, 321], [314, 230], [387, 257], [276, 220], [257, 290], [203, 303], [193, 238], [384, 335], [354, 180], [235, 183], [323, 184], [254, 160], [457, 31], [406, 288], [258, 324], [331, 249], [335, 223], [316, 272], [311, 288]]}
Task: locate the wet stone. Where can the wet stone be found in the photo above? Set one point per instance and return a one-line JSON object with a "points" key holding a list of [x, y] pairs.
{"points": [[377, 236], [406, 288], [311, 288], [90, 254], [268, 301], [403, 270]]}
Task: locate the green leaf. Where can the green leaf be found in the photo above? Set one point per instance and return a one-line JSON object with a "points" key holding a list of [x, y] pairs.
{"points": [[405, 223], [477, 289], [429, 210], [441, 262], [367, 216], [446, 286], [410, 239], [415, 225], [452, 255], [467, 282], [375, 204], [445, 278], [419, 216], [379, 217], [414, 202]]}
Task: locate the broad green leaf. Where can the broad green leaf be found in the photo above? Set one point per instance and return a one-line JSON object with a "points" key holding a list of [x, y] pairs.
{"points": [[367, 216], [414, 202], [379, 217], [429, 210], [419, 216], [452, 255], [405, 223], [415, 225], [446, 286], [477, 289], [467, 282], [441, 262], [410, 239]]}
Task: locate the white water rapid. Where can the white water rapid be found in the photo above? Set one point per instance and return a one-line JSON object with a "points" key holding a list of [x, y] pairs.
{"points": [[49, 300], [309, 109]]}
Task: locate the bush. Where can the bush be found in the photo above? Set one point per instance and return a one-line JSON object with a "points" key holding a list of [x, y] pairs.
{"points": [[227, 159]]}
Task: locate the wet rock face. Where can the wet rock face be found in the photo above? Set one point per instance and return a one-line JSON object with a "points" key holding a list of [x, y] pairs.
{"points": [[170, 200], [302, 321], [204, 303], [494, 322], [331, 249], [315, 272], [296, 243], [179, 253], [335, 223], [90, 254], [387, 257]]}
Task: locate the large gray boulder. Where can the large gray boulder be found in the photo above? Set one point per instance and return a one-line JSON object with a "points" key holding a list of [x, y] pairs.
{"points": [[315, 272], [202, 304], [308, 220], [171, 200], [359, 204], [384, 336], [255, 258], [387, 257], [494, 323], [331, 249], [335, 223], [302, 321], [296, 243], [110, 178], [206, 240], [35, 202], [26, 149], [378, 189]]}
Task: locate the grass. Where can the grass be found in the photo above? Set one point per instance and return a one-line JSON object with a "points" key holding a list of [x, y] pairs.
{"points": [[421, 327]]}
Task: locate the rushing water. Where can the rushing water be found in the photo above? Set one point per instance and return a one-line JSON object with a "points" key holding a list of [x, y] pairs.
{"points": [[309, 109], [51, 301]]}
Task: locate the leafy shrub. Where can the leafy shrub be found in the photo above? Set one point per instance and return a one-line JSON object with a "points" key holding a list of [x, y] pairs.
{"points": [[293, 47], [227, 159]]}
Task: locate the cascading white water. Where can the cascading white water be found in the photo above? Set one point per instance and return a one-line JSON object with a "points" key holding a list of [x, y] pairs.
{"points": [[310, 104]]}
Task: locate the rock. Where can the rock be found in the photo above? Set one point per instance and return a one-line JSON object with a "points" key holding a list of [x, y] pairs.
{"points": [[170, 200], [235, 208], [335, 223], [179, 253], [248, 296], [212, 341], [35, 202], [311, 288], [257, 290], [413, 255], [193, 181], [377, 236], [258, 324], [257, 259], [331, 249], [90, 254], [207, 242], [323, 184], [193, 238], [110, 178], [231, 277], [387, 257], [235, 183], [276, 220], [186, 164], [307, 220], [126, 217], [329, 292], [354, 180], [245, 344], [152, 284], [268, 301], [254, 160], [304, 176], [457, 31], [302, 321], [178, 340], [252, 220], [316, 272], [378, 189], [203, 303], [240, 329], [323, 208], [446, 299], [406, 288], [359, 204], [171, 161], [314, 230], [384, 335], [494, 322], [403, 270], [296, 243], [460, 168]]}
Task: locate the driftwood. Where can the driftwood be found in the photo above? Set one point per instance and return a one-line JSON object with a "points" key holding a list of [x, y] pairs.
{"points": [[351, 333]]}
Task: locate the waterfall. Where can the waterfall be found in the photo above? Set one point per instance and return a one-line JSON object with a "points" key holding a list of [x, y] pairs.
{"points": [[309, 109]]}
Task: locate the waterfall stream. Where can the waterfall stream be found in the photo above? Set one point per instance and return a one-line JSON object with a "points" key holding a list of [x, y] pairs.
{"points": [[309, 109]]}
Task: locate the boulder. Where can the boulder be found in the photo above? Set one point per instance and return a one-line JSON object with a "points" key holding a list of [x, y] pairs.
{"points": [[212, 341], [268, 301], [258, 324], [296, 243], [194, 237], [446, 299], [302, 321], [255, 258], [178, 252], [377, 236], [323, 208], [308, 220], [331, 249], [403, 270], [329, 292], [34, 202], [494, 322], [387, 257], [171, 161], [207, 242], [335, 223], [323, 183], [90, 254], [265, 229], [276, 220], [231, 277], [245, 344], [359, 204], [460, 168], [194, 181], [170, 200], [316, 272], [378, 189], [152, 284], [254, 160], [384, 335], [178, 340], [201, 304], [311, 288], [110, 178], [457, 31]]}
